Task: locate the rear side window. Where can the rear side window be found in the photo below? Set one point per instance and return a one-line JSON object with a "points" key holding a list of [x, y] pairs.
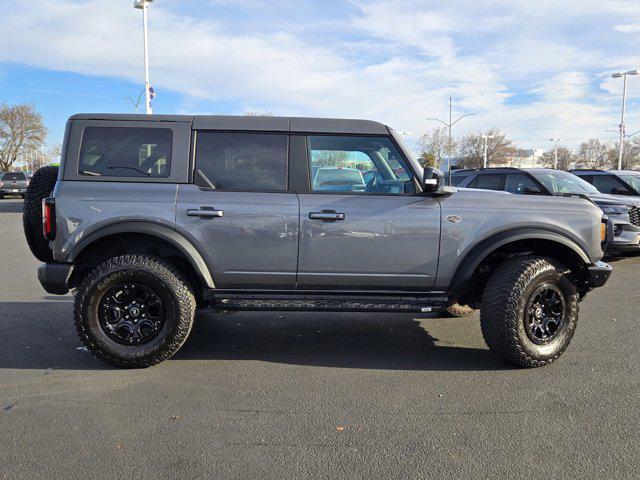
{"points": [[242, 161], [457, 179], [126, 152], [13, 176]]}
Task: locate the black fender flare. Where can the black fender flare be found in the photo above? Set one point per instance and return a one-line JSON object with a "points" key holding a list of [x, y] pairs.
{"points": [[154, 230], [485, 247]]}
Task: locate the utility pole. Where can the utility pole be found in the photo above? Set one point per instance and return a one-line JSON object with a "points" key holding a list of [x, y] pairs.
{"points": [[486, 141], [555, 151], [624, 76], [449, 125], [144, 6]]}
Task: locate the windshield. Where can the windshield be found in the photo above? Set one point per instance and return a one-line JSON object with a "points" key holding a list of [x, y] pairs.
{"points": [[14, 176], [633, 180], [558, 182]]}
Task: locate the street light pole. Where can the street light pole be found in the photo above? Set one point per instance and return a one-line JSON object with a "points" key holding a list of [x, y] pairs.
{"points": [[449, 125], [555, 151], [486, 141], [144, 5], [624, 76]]}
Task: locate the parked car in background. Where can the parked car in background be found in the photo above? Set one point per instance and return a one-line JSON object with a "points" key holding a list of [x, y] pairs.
{"points": [[615, 182], [337, 178], [13, 183], [623, 212]]}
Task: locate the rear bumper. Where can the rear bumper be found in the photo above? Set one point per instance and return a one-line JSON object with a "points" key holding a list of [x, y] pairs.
{"points": [[599, 273], [54, 277], [13, 191]]}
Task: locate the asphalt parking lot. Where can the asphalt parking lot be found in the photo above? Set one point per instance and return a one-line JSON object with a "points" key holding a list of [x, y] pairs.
{"points": [[314, 395]]}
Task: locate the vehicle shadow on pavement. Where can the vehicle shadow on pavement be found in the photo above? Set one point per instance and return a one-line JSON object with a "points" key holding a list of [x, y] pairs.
{"points": [[10, 207], [339, 340], [47, 339]]}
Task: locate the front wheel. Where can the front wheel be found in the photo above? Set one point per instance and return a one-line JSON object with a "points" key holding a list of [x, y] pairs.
{"points": [[529, 311], [134, 311]]}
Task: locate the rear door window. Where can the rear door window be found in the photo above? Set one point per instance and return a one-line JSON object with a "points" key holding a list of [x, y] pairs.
{"points": [[242, 161], [490, 181], [126, 152]]}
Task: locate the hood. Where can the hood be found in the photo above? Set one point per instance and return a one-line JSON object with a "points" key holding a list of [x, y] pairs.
{"points": [[606, 199]]}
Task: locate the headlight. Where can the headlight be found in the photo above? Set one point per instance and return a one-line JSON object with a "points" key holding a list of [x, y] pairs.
{"points": [[615, 209]]}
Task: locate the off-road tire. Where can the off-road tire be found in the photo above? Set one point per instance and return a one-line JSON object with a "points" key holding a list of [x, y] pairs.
{"points": [[154, 272], [40, 186], [455, 310], [502, 313]]}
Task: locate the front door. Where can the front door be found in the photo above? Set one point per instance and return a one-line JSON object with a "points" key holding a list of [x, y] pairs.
{"points": [[238, 211], [362, 226]]}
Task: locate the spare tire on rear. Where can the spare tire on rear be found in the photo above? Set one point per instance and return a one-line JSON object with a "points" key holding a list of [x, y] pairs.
{"points": [[40, 186]]}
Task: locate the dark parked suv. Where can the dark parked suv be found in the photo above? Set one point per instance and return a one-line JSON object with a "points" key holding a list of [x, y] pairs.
{"points": [[623, 212], [615, 182], [152, 216]]}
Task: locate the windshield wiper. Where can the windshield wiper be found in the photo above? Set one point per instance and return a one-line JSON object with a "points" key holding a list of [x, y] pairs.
{"points": [[112, 167], [87, 172]]}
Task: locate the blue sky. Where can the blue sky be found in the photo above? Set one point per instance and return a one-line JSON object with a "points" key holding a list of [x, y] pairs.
{"points": [[533, 69]]}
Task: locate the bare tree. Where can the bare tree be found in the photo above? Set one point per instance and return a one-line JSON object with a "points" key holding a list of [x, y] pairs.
{"points": [[593, 154], [21, 129], [434, 147], [630, 154], [55, 150], [500, 150], [258, 114], [565, 158]]}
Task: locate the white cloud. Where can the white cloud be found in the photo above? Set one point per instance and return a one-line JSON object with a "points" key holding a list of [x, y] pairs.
{"points": [[628, 28], [394, 61]]}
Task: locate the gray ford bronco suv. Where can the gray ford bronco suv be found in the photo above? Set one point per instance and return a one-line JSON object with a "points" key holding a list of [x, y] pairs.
{"points": [[151, 217]]}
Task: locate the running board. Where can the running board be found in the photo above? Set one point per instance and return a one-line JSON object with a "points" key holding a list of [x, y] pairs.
{"points": [[328, 303]]}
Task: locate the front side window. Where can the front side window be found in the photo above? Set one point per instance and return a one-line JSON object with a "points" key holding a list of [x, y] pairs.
{"points": [[357, 164], [608, 184], [241, 161], [126, 152], [457, 179], [520, 183]]}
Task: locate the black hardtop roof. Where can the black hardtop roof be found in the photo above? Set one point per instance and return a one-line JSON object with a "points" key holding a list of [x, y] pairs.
{"points": [[251, 123], [504, 170], [596, 171]]}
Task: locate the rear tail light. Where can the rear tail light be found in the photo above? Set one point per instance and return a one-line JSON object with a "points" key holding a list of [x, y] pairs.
{"points": [[49, 218]]}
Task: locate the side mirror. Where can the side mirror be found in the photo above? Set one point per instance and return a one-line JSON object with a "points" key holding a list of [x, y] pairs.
{"points": [[532, 191], [619, 191], [432, 180]]}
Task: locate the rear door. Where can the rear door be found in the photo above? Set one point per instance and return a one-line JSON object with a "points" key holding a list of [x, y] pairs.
{"points": [[238, 209], [362, 224]]}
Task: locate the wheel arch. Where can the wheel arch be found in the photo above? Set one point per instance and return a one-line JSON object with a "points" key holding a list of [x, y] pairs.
{"points": [[518, 241], [148, 230]]}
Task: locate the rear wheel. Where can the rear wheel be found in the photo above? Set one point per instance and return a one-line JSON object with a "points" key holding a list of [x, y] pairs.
{"points": [[529, 311], [40, 186], [134, 311]]}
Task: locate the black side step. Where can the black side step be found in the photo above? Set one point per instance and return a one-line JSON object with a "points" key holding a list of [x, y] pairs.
{"points": [[328, 303]]}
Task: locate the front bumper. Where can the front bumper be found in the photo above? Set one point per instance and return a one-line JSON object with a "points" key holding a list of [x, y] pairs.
{"points": [[599, 273], [54, 277]]}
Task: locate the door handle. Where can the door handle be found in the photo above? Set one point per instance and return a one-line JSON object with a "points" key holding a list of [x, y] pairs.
{"points": [[326, 215], [205, 212]]}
